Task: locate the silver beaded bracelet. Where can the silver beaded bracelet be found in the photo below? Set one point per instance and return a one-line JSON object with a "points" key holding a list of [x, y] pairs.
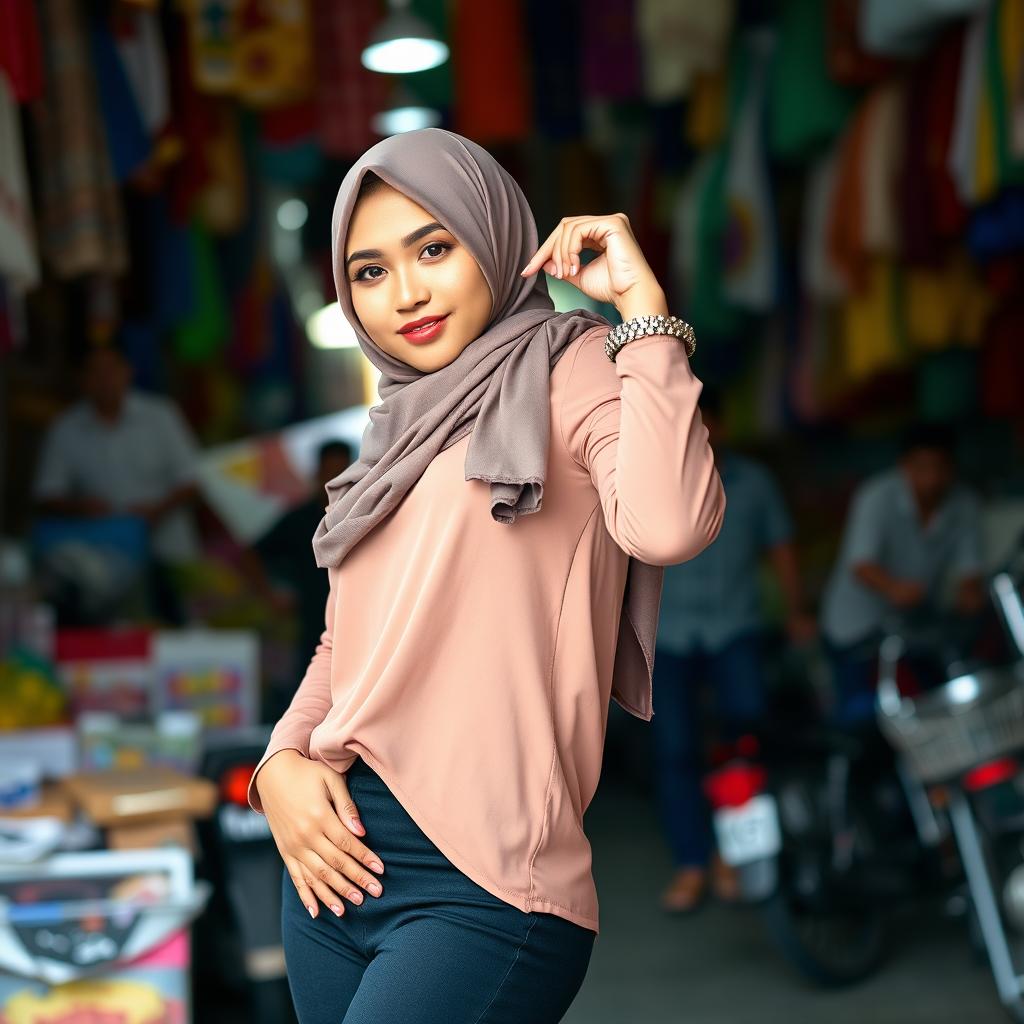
{"points": [[642, 326]]}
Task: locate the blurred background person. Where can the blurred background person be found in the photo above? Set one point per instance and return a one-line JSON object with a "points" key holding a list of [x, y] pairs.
{"points": [[709, 632], [285, 555], [122, 452], [911, 530]]}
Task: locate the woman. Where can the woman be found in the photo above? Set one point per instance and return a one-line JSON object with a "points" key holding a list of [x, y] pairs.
{"points": [[495, 568]]}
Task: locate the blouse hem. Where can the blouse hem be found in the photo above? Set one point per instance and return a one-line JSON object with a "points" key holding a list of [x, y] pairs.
{"points": [[519, 900]]}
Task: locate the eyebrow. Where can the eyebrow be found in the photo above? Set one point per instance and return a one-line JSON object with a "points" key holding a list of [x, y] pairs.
{"points": [[413, 236]]}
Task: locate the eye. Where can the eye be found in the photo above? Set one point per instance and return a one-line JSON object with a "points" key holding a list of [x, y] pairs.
{"points": [[363, 275], [440, 247]]}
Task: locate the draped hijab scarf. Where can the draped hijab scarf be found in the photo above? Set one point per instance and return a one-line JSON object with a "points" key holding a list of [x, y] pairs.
{"points": [[497, 389]]}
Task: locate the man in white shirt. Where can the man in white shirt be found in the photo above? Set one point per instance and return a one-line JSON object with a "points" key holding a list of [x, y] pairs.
{"points": [[910, 531], [123, 452]]}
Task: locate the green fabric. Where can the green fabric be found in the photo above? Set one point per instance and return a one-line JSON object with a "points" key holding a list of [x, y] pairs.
{"points": [[1009, 171], [709, 310], [947, 383], [204, 329], [806, 107]]}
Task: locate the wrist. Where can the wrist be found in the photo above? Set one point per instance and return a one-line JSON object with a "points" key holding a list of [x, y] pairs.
{"points": [[642, 300]]}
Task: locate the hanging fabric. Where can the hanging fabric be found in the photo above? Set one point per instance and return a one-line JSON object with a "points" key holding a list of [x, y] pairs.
{"points": [[19, 261], [750, 258]]}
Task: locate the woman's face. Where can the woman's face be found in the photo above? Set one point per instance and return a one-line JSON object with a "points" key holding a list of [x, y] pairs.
{"points": [[418, 293]]}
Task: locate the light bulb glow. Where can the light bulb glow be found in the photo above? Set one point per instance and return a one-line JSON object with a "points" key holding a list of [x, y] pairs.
{"points": [[405, 55]]}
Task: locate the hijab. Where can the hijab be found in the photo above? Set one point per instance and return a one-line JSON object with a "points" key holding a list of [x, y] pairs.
{"points": [[497, 389]]}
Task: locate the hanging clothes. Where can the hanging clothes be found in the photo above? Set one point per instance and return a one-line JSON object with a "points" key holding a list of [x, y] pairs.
{"points": [[257, 50], [883, 153], [929, 208], [907, 28], [849, 63], [821, 278], [750, 262], [492, 103], [963, 152], [873, 335], [845, 229], [807, 108], [945, 306], [706, 112], [347, 95], [19, 261], [81, 223], [680, 38], [21, 57], [610, 51]]}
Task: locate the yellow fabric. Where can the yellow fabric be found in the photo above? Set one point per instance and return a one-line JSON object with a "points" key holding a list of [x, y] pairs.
{"points": [[706, 111], [946, 307], [870, 331]]}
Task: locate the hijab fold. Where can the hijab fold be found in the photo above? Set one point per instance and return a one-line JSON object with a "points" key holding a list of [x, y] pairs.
{"points": [[497, 389]]}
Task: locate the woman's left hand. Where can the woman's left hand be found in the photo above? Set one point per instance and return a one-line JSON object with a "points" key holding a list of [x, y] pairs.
{"points": [[619, 275]]}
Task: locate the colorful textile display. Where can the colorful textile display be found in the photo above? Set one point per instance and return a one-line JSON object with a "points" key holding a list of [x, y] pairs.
{"points": [[19, 262], [81, 223]]}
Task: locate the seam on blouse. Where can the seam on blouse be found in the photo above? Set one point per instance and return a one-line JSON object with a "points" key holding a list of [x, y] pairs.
{"points": [[551, 703]]}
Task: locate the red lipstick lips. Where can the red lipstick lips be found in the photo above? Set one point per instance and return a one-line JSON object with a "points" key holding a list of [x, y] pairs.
{"points": [[423, 330]]}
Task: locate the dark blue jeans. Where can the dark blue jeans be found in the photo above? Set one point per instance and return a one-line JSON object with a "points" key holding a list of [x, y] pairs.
{"points": [[737, 684], [434, 948]]}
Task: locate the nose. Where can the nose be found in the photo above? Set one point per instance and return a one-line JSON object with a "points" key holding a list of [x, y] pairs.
{"points": [[411, 291]]}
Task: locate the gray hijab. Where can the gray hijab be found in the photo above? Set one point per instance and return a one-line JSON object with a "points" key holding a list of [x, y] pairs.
{"points": [[497, 389]]}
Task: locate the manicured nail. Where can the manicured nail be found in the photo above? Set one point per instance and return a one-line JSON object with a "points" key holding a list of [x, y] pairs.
{"points": [[357, 825], [375, 865], [356, 897], [375, 888], [336, 909], [312, 911]]}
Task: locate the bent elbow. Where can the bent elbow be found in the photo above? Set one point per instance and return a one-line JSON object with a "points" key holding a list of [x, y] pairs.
{"points": [[700, 532]]}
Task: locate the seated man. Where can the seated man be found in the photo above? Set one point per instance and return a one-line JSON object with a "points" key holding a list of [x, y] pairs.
{"points": [[910, 530], [123, 452]]}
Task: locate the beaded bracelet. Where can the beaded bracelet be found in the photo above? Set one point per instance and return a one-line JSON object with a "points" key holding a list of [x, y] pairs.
{"points": [[642, 326]]}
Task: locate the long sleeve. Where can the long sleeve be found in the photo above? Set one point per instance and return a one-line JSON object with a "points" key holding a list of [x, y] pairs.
{"points": [[635, 426], [311, 702]]}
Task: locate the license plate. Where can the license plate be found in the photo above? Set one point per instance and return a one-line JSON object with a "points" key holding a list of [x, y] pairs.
{"points": [[749, 832]]}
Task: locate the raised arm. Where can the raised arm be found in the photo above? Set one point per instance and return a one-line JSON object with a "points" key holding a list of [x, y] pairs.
{"points": [[634, 423], [636, 427]]}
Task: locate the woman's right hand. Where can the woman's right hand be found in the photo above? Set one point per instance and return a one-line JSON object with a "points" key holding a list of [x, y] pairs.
{"points": [[306, 803]]}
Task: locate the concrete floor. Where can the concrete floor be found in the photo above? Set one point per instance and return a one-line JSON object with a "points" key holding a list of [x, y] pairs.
{"points": [[718, 967]]}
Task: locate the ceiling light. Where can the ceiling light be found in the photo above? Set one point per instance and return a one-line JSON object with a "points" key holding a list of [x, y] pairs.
{"points": [[403, 43]]}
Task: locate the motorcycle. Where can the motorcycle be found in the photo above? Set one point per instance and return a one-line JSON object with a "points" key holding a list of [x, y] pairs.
{"points": [[239, 937], [828, 829]]}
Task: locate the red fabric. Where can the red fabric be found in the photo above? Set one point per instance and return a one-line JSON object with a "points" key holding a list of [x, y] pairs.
{"points": [[1002, 367], [931, 211], [284, 126], [848, 62], [20, 53], [490, 62], [347, 95]]}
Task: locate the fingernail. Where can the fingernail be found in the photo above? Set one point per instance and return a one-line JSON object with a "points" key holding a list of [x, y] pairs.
{"points": [[375, 888], [336, 909], [312, 911], [375, 865], [357, 824]]}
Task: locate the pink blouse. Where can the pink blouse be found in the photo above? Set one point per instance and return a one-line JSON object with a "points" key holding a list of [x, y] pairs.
{"points": [[469, 662]]}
